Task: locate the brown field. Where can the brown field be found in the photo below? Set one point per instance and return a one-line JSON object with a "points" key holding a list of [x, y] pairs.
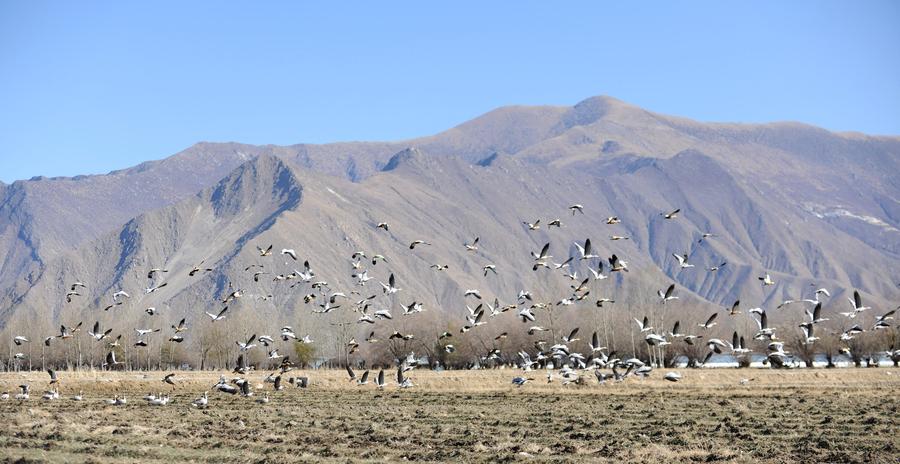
{"points": [[838, 415]]}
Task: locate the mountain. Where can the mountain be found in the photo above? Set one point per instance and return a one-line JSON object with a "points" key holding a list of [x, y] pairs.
{"points": [[806, 205]]}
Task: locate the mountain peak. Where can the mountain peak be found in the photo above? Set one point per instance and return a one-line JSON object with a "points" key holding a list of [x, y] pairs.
{"points": [[593, 109], [600, 101], [405, 157], [263, 179]]}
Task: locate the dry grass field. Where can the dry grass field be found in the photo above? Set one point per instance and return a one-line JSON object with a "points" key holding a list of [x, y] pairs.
{"points": [[845, 415]]}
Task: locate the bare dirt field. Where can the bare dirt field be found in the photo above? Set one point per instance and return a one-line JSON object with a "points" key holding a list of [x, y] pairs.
{"points": [[837, 415]]}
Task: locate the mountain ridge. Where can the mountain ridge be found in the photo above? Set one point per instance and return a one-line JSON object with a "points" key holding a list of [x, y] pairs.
{"points": [[624, 156]]}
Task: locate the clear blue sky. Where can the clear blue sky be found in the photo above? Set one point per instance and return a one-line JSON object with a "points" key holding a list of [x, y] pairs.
{"points": [[87, 87]]}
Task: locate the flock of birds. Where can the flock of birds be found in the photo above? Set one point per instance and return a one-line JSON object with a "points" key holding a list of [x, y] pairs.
{"points": [[559, 358]]}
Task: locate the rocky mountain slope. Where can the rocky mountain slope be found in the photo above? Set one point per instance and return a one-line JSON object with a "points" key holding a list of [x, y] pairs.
{"points": [[803, 204]]}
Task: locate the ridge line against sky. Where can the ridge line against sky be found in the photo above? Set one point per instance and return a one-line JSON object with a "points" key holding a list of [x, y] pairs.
{"points": [[94, 88]]}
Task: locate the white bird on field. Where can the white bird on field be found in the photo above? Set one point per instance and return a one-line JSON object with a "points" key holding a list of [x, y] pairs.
{"points": [[519, 381], [201, 402], [379, 381], [672, 376]]}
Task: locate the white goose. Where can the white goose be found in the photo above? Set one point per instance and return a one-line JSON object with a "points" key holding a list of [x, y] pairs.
{"points": [[218, 317], [390, 288], [201, 402], [682, 260], [667, 295], [585, 251]]}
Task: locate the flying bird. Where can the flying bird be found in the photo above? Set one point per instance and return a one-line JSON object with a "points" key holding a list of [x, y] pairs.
{"points": [[671, 215], [198, 268], [585, 251], [155, 271], [716, 268], [710, 321], [644, 325], [668, 294], [682, 260], [152, 289], [543, 255], [616, 264], [472, 246], [218, 317], [390, 288], [705, 236]]}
